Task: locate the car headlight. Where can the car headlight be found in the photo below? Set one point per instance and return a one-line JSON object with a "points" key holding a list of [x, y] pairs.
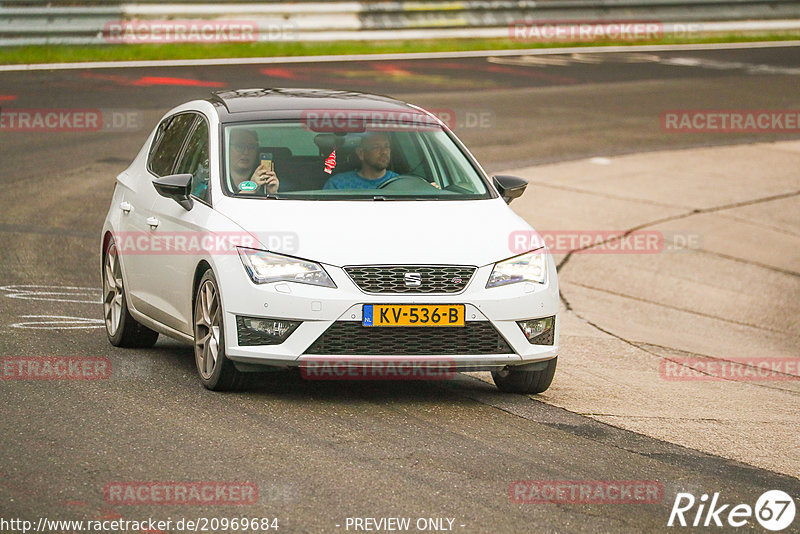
{"points": [[529, 267], [264, 267]]}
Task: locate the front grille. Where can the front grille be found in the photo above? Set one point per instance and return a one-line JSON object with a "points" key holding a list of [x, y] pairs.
{"points": [[392, 278], [351, 338]]}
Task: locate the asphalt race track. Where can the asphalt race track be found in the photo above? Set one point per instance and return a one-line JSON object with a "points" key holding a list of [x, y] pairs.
{"points": [[322, 452]]}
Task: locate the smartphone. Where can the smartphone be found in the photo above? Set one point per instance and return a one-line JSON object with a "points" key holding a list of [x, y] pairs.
{"points": [[266, 161]]}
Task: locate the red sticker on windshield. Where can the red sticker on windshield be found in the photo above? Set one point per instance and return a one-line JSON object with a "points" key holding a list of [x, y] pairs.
{"points": [[330, 162]]}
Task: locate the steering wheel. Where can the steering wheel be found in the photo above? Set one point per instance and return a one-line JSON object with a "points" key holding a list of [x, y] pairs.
{"points": [[407, 178]]}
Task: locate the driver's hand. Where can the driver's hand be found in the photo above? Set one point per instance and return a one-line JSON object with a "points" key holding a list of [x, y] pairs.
{"points": [[261, 176]]}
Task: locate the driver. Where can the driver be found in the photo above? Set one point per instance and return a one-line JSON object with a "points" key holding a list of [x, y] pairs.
{"points": [[375, 153]]}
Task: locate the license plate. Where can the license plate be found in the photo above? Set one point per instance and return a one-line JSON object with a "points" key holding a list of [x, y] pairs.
{"points": [[413, 315]]}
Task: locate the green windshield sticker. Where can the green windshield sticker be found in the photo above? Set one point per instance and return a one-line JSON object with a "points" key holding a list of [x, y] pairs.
{"points": [[248, 186]]}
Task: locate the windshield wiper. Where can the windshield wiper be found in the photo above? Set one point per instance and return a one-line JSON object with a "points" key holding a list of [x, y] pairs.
{"points": [[400, 197]]}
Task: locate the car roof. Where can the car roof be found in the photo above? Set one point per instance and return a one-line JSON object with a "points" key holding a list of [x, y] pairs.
{"points": [[282, 103]]}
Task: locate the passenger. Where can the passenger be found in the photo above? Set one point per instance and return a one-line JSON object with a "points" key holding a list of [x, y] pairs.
{"points": [[375, 153], [245, 165]]}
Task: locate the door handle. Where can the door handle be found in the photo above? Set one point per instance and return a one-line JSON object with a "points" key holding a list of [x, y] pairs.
{"points": [[125, 206], [153, 222]]}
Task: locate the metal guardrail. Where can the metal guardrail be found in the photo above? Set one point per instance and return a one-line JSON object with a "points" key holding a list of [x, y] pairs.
{"points": [[40, 22]]}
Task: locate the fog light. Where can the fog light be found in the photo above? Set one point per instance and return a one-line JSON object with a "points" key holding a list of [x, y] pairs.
{"points": [[263, 330], [539, 331], [270, 327]]}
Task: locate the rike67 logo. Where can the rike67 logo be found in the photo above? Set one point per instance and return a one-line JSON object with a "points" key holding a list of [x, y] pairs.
{"points": [[774, 510]]}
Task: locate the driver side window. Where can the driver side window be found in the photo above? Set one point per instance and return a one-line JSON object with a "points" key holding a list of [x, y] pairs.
{"points": [[167, 145], [195, 161]]}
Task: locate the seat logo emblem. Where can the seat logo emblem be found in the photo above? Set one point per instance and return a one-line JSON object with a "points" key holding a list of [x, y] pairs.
{"points": [[412, 279]]}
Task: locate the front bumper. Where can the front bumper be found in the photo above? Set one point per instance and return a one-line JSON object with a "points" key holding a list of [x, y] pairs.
{"points": [[319, 308]]}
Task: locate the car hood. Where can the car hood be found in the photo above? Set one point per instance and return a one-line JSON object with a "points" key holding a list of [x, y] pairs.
{"points": [[476, 232]]}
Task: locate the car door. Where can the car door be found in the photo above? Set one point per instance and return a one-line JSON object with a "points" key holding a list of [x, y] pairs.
{"points": [[180, 233], [133, 197], [143, 256]]}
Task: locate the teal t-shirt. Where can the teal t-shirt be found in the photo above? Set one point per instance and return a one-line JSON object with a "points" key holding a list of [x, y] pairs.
{"points": [[353, 180]]}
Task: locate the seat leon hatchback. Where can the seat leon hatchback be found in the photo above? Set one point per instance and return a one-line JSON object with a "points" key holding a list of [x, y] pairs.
{"points": [[345, 234]]}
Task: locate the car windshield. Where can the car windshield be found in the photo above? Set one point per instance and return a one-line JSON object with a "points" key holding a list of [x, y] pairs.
{"points": [[352, 156]]}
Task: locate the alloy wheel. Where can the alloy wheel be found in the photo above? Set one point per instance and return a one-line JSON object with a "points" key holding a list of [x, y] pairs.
{"points": [[207, 329], [112, 291]]}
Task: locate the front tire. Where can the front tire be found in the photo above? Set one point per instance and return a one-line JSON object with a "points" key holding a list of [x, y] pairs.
{"points": [[216, 371], [121, 328], [530, 382]]}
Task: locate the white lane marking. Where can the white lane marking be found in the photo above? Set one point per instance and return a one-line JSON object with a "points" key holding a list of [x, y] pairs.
{"points": [[571, 59], [533, 61], [750, 68], [83, 295], [58, 322], [389, 57], [600, 161]]}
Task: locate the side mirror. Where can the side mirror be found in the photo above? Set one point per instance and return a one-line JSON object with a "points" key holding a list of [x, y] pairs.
{"points": [[510, 187], [178, 187]]}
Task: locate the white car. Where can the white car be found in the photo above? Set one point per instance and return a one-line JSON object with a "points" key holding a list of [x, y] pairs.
{"points": [[333, 231]]}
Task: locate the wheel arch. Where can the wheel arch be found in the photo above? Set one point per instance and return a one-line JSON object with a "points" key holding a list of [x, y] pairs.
{"points": [[106, 240], [199, 271]]}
